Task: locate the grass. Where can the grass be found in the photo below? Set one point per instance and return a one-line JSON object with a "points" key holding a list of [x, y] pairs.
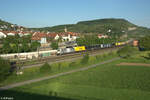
{"points": [[32, 73], [105, 82], [139, 58]]}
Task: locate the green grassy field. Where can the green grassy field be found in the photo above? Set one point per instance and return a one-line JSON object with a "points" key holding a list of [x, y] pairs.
{"points": [[33, 73], [105, 82]]}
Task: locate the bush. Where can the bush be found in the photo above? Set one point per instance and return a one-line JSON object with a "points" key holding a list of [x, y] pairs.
{"points": [[45, 68], [54, 45], [104, 55], [144, 43], [111, 53], [85, 59], [72, 64], [127, 51], [98, 57], [4, 69], [147, 57], [59, 66]]}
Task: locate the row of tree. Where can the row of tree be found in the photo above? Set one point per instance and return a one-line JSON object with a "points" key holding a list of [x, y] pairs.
{"points": [[17, 44], [92, 40]]}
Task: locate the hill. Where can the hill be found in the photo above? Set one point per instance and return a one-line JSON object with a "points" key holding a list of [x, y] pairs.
{"points": [[109, 26], [139, 32], [7, 26], [99, 25], [4, 25], [117, 26]]}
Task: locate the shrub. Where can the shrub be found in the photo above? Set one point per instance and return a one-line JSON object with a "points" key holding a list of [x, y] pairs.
{"points": [[54, 45], [59, 66], [104, 55], [85, 59], [98, 57], [45, 68], [50, 93], [72, 64], [4, 69], [144, 43], [127, 51], [147, 57], [111, 53]]}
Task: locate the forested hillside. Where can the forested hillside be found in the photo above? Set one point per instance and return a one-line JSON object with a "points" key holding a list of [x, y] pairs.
{"points": [[109, 26], [117, 27]]}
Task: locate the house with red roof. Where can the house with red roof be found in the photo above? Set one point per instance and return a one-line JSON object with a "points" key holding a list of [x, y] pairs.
{"points": [[12, 33], [102, 36], [2, 34], [65, 36], [69, 36], [40, 37]]}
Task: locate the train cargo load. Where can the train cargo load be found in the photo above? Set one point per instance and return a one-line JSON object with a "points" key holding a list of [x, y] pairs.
{"points": [[79, 48]]}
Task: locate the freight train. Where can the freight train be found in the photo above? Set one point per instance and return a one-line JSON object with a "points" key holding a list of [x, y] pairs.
{"points": [[61, 51], [66, 50]]}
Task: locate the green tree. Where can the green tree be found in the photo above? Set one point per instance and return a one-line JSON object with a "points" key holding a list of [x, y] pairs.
{"points": [[34, 45], [127, 51], [4, 69], [17, 44], [85, 59], [45, 68], [54, 45], [15, 48], [144, 42], [6, 47], [25, 47]]}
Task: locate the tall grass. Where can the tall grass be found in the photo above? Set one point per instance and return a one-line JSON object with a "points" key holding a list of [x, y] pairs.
{"points": [[35, 72]]}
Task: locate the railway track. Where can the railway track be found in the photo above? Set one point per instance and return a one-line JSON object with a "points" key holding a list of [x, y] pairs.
{"points": [[67, 57]]}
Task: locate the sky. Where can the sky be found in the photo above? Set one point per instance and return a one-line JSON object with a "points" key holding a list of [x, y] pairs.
{"points": [[44, 13]]}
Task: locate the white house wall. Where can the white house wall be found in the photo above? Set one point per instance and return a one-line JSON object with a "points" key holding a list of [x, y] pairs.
{"points": [[11, 34], [28, 55], [2, 35]]}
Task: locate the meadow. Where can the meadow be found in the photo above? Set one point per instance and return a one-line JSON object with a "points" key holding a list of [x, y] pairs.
{"points": [[33, 73], [105, 82]]}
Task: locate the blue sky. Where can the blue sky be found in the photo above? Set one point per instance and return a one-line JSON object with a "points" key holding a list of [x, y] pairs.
{"points": [[42, 13]]}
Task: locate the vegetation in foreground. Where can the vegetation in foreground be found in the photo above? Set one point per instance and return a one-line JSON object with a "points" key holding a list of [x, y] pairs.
{"points": [[127, 51], [51, 69], [5, 70], [105, 82]]}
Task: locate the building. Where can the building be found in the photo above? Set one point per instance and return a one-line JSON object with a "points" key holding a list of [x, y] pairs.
{"points": [[131, 28], [2, 35], [54, 36], [135, 43], [21, 33], [102, 36], [69, 36], [64, 36], [11, 33], [40, 37]]}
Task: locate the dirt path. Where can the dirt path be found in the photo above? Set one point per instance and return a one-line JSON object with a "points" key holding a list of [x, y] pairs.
{"points": [[133, 64], [55, 76]]}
